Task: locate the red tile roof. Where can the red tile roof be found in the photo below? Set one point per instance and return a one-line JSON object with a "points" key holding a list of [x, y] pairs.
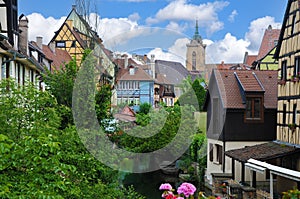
{"points": [[229, 87], [268, 41]]}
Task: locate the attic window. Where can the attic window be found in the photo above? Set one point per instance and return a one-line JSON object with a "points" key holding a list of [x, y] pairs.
{"points": [[60, 44], [254, 109]]}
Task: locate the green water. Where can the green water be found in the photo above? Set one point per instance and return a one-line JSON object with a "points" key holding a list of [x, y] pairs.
{"points": [[148, 184]]}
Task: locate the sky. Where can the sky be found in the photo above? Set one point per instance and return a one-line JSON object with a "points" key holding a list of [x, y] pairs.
{"points": [[228, 28]]}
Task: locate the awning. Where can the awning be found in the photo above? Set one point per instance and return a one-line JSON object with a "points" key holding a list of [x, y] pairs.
{"points": [[262, 152]]}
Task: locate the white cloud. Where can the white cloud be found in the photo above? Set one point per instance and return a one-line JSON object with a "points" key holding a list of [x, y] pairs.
{"points": [[176, 27], [206, 14], [41, 26], [232, 16], [230, 49], [134, 17], [177, 52], [257, 29]]}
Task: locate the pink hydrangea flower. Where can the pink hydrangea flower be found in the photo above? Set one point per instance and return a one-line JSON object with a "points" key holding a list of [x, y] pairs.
{"points": [[165, 186], [187, 189]]}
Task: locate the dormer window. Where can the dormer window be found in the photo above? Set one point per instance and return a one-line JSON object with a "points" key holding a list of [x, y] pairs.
{"points": [[254, 109]]}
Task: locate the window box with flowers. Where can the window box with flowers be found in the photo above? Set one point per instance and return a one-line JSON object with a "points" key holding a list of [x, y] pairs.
{"points": [[282, 81], [292, 127], [295, 78]]}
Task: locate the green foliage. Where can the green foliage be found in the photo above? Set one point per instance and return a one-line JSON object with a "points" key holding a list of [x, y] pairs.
{"points": [[103, 102], [61, 85], [38, 160], [194, 93], [164, 125], [291, 194], [145, 108]]}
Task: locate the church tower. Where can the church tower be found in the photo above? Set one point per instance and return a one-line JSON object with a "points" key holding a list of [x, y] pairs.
{"points": [[195, 54]]}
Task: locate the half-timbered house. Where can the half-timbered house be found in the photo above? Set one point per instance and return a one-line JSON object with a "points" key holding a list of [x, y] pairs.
{"points": [[15, 59]]}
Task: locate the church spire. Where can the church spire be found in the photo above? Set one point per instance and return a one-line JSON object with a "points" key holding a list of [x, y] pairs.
{"points": [[196, 35]]}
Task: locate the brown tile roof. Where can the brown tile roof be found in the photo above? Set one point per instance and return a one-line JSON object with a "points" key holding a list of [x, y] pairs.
{"points": [[262, 152], [126, 115], [161, 79], [249, 59], [230, 92], [59, 58], [249, 81], [139, 75], [268, 41], [224, 66]]}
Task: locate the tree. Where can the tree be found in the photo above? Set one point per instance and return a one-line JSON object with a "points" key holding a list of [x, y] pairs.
{"points": [[38, 160], [60, 83], [193, 93], [164, 125]]}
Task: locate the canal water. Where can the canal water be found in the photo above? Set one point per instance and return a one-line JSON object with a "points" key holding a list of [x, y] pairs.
{"points": [[148, 184]]}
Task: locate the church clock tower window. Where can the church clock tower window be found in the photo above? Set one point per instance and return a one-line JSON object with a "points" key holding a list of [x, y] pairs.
{"points": [[194, 61]]}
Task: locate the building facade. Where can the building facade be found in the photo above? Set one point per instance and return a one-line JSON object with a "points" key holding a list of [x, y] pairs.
{"points": [[15, 57], [241, 111]]}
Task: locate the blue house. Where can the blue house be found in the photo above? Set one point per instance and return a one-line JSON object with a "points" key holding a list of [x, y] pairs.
{"points": [[134, 86]]}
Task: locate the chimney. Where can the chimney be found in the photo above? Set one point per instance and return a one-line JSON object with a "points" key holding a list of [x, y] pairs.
{"points": [[74, 7], [52, 46], [145, 59], [152, 64], [23, 37], [125, 61], [39, 42]]}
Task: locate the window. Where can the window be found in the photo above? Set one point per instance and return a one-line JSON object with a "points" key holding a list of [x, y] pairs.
{"points": [[294, 113], [296, 67], [216, 153], [73, 45], [293, 24], [284, 115], [61, 44], [219, 158], [254, 108], [194, 61], [283, 70]]}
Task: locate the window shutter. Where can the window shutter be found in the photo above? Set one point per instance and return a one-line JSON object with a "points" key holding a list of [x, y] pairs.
{"points": [[211, 153]]}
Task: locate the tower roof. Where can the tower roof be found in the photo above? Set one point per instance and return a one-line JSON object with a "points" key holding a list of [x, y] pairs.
{"points": [[196, 34]]}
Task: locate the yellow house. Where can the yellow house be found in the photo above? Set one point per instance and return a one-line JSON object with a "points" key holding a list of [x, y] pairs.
{"points": [[75, 36]]}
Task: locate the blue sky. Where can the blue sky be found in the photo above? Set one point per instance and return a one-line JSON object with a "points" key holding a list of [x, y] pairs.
{"points": [[229, 28]]}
